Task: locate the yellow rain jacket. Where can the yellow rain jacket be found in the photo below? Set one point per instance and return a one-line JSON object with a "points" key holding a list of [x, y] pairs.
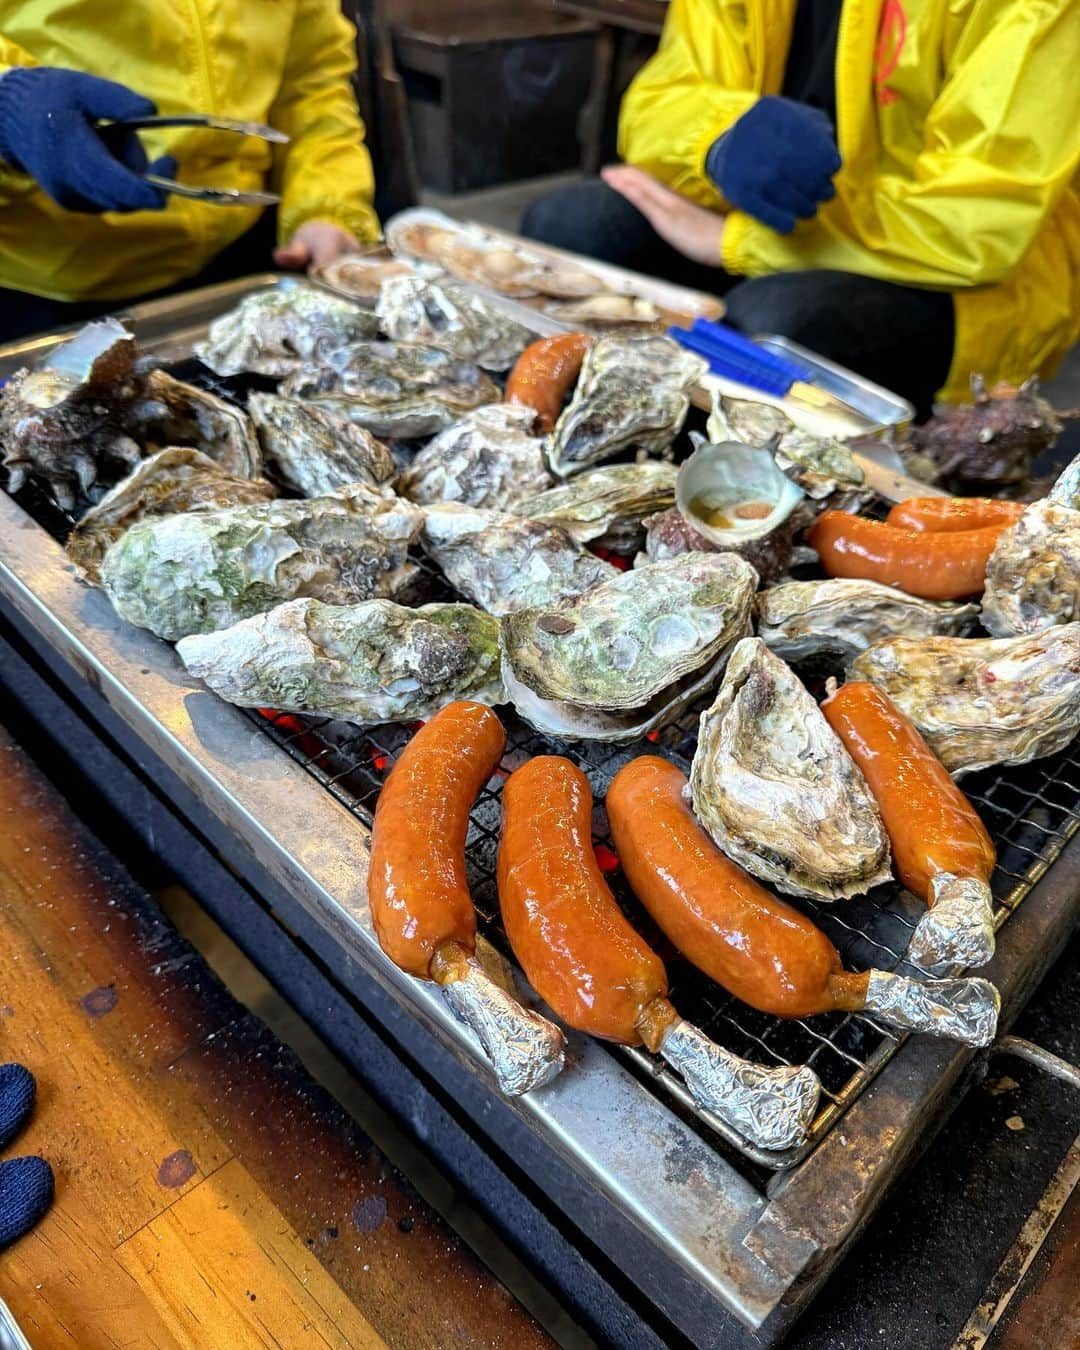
{"points": [[286, 62], [959, 126]]}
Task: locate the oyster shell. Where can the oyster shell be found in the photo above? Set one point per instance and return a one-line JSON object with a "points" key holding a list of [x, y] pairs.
{"points": [[274, 332], [983, 701], [367, 663], [626, 656], [669, 534], [602, 309], [504, 562], [66, 420], [170, 412], [394, 388], [173, 480], [774, 786], [490, 458], [632, 391], [821, 465], [836, 620], [315, 451], [608, 504], [415, 309], [203, 571]]}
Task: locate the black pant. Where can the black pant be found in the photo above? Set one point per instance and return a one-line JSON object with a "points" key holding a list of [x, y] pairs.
{"points": [[899, 336]]}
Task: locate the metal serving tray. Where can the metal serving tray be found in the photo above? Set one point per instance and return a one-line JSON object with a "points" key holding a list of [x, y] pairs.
{"points": [[621, 1121]]}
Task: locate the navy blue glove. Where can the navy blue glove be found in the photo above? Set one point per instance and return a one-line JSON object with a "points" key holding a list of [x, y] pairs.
{"points": [[26, 1184], [776, 163], [47, 130]]}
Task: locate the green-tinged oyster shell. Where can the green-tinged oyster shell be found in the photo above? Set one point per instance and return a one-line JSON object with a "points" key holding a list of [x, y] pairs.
{"points": [[172, 481], [445, 314], [774, 786], [366, 663], [315, 451], [199, 572], [489, 458], [833, 621], [608, 504], [273, 332], [632, 392], [504, 562], [394, 388], [983, 701]]}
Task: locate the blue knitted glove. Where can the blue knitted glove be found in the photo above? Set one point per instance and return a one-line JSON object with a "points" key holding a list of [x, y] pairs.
{"points": [[26, 1184], [47, 118], [776, 163]]}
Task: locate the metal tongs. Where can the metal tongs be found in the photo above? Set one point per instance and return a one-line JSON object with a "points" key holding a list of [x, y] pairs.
{"points": [[218, 195]]}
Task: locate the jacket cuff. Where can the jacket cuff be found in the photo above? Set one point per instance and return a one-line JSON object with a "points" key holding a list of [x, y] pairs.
{"points": [[358, 218], [733, 243]]}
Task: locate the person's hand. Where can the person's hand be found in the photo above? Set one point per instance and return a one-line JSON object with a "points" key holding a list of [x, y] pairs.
{"points": [[776, 163], [315, 243], [694, 230], [47, 130]]}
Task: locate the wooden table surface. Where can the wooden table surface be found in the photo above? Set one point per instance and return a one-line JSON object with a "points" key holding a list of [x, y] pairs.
{"points": [[208, 1192]]}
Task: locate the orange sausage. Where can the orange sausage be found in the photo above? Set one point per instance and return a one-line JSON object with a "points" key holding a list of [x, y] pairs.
{"points": [[759, 948], [946, 515], [930, 823], [949, 566], [544, 372], [417, 886], [578, 951]]}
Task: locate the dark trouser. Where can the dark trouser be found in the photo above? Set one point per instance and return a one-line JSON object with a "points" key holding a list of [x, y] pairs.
{"points": [[899, 336]]}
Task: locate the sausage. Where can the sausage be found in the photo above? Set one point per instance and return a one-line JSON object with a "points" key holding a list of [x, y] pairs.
{"points": [[948, 566], [544, 372], [760, 949], [417, 885], [947, 515], [932, 826], [578, 951]]}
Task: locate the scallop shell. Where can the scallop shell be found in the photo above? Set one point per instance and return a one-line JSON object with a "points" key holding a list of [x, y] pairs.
{"points": [[415, 309], [609, 308], [315, 451], [983, 701], [1033, 576], [833, 621], [359, 277], [607, 504], [490, 458], [774, 786]]}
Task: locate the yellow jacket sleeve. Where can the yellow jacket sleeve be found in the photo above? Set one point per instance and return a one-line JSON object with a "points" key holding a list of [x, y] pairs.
{"points": [[325, 172], [11, 54], [999, 149], [701, 80]]}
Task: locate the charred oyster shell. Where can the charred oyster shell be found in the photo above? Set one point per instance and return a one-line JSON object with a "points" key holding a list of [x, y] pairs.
{"points": [[314, 451], [669, 534], [200, 572], [836, 620], [415, 309], [504, 562], [983, 701], [1033, 576], [172, 481], [607, 504], [394, 388], [274, 332], [490, 458], [170, 412], [367, 663], [632, 391], [774, 786]]}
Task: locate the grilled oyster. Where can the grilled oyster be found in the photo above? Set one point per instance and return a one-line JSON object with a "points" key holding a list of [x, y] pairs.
{"points": [[628, 655], [836, 620], [200, 572], [983, 701], [315, 451], [604, 309], [414, 309], [394, 388], [821, 465], [607, 504], [170, 412], [173, 480], [669, 534], [490, 458], [274, 332], [66, 420], [503, 562], [366, 663], [774, 786], [632, 391]]}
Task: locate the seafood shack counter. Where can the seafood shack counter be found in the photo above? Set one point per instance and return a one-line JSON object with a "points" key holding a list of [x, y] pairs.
{"points": [[626, 1185]]}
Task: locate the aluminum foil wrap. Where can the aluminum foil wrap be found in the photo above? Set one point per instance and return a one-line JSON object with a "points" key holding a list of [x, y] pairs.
{"points": [[957, 932], [772, 1108], [963, 1009], [525, 1049]]}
